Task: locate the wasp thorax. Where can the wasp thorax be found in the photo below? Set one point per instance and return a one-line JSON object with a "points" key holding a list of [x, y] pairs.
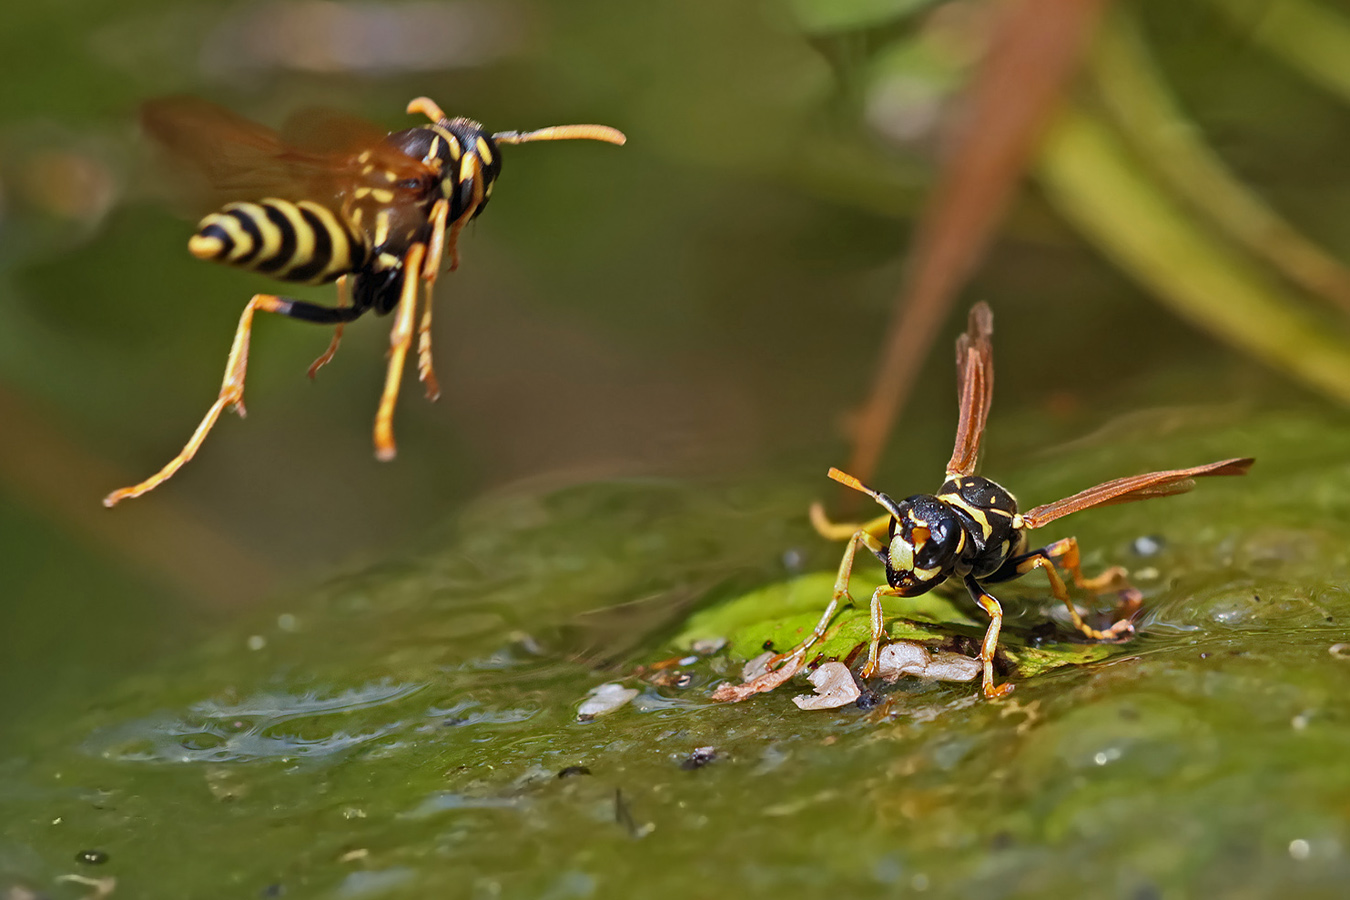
{"points": [[988, 512]]}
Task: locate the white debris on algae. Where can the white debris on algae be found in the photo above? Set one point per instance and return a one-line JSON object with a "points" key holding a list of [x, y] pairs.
{"points": [[835, 687], [907, 658], [603, 699]]}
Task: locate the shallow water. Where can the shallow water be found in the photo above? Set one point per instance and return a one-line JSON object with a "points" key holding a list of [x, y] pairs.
{"points": [[400, 732]]}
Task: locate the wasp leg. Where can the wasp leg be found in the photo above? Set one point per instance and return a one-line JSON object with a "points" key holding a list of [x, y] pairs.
{"points": [[841, 594], [400, 339], [1065, 553], [232, 387], [430, 270], [842, 531], [470, 175], [344, 296], [991, 606], [878, 628]]}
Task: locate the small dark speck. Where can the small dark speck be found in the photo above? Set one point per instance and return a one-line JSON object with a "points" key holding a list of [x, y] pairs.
{"points": [[574, 770], [272, 890], [1001, 841], [1147, 545], [1256, 597], [453, 721], [960, 643], [91, 857], [623, 815], [1331, 618], [767, 645], [867, 700], [699, 758]]}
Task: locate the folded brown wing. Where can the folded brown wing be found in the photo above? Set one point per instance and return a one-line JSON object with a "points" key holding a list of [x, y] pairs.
{"points": [[1136, 487], [975, 388], [217, 156]]}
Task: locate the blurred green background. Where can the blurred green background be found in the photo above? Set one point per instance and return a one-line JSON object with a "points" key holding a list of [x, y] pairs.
{"points": [[705, 303]]}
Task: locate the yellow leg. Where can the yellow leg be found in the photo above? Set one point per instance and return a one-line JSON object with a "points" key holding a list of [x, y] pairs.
{"points": [[840, 595], [327, 356], [783, 666], [430, 270], [992, 609], [231, 394], [1061, 592], [1065, 553], [841, 531], [878, 628], [470, 168], [400, 339]]}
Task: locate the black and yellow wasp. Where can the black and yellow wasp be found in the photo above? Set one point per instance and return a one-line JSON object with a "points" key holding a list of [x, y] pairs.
{"points": [[378, 213], [971, 530]]}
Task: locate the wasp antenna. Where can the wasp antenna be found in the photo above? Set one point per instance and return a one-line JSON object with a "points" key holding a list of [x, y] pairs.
{"points": [[849, 481], [427, 107], [561, 133]]}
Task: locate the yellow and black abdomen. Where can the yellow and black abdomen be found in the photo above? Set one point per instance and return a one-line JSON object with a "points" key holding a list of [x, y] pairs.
{"points": [[297, 241]]}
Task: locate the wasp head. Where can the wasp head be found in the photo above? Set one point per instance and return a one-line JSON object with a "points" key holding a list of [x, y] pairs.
{"points": [[925, 546]]}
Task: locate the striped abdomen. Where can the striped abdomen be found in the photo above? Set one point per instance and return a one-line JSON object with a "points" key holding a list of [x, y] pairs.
{"points": [[293, 241]]}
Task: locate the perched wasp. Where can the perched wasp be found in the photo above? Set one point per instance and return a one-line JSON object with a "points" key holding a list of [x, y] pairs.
{"points": [[377, 213], [971, 529]]}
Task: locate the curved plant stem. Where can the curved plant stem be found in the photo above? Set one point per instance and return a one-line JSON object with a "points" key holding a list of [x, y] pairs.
{"points": [[1309, 37], [1093, 180], [1148, 118], [1035, 48]]}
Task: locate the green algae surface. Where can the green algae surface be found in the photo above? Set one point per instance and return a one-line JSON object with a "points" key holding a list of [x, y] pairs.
{"points": [[410, 731]]}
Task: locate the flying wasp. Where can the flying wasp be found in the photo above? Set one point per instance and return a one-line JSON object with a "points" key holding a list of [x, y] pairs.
{"points": [[378, 213], [971, 529]]}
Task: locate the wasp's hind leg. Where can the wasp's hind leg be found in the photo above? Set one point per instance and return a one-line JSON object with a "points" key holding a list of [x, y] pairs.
{"points": [[1065, 553], [344, 296], [992, 608], [232, 387]]}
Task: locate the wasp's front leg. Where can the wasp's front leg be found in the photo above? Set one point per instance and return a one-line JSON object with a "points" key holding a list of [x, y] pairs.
{"points": [[400, 339], [784, 665], [991, 606], [431, 269]]}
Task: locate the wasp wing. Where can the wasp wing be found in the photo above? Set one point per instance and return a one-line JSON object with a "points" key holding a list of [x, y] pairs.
{"points": [[975, 388], [219, 156], [1133, 488]]}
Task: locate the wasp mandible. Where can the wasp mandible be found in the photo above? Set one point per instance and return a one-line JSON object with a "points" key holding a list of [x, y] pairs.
{"points": [[971, 529], [377, 213]]}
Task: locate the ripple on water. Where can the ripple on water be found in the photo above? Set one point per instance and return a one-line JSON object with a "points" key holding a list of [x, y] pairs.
{"points": [[272, 725]]}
